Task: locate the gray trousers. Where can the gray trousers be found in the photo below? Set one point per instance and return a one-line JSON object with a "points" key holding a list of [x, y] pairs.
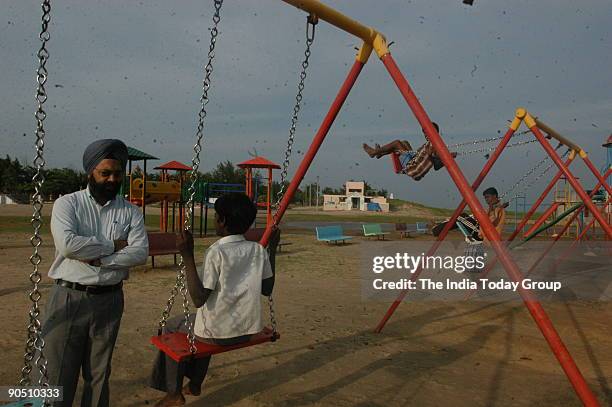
{"points": [[80, 331], [168, 374]]}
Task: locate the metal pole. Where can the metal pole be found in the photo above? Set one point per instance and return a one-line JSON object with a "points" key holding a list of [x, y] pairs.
{"points": [[602, 180], [570, 177], [314, 146], [173, 215], [567, 225], [515, 210], [318, 191], [566, 252], [534, 307], [144, 193], [539, 221], [493, 261], [539, 201], [483, 173], [555, 134]]}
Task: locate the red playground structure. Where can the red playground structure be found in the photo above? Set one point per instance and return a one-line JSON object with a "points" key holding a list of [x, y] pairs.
{"points": [[375, 41], [251, 185], [371, 41]]}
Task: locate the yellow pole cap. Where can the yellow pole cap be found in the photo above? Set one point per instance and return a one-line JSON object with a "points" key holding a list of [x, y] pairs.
{"points": [[530, 121], [516, 123], [364, 53], [520, 113], [380, 45]]}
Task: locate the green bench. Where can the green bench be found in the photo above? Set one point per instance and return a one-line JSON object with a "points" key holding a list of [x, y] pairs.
{"points": [[373, 229]]}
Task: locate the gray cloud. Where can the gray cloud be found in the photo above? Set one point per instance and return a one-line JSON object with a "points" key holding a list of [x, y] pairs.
{"points": [[133, 70]]}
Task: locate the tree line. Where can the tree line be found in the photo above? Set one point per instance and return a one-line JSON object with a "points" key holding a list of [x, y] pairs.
{"points": [[16, 180]]}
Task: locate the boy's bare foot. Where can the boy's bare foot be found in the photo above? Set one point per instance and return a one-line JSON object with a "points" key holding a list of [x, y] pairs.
{"points": [[171, 400], [188, 391], [372, 152]]}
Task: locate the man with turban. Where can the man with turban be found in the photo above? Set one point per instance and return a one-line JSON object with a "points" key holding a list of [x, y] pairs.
{"points": [[98, 236]]}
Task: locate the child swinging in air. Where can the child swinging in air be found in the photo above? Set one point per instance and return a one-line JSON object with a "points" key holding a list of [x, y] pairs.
{"points": [[415, 164], [226, 293]]}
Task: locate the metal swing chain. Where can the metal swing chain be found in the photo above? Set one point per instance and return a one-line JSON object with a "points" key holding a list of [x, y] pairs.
{"points": [[544, 171], [180, 284], [311, 22], [485, 140], [488, 149], [310, 35], [35, 342], [531, 171]]}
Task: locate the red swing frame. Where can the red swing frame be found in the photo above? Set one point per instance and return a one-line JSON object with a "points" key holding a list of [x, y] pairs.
{"points": [[375, 41]]}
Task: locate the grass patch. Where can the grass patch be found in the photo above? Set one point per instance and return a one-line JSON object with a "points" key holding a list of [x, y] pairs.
{"points": [[365, 217], [21, 224], [396, 204]]}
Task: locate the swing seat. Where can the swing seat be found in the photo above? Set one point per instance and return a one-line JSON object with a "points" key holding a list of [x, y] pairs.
{"points": [[176, 345]]}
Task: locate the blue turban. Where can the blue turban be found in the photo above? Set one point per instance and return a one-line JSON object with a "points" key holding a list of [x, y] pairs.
{"points": [[104, 149]]}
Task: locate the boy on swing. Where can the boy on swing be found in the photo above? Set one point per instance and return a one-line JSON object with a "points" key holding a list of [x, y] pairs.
{"points": [[496, 211], [225, 292], [415, 164]]}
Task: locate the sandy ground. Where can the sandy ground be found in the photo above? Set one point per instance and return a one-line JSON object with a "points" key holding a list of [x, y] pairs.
{"points": [[430, 354]]}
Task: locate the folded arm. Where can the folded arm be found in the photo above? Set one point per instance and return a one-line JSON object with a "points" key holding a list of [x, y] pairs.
{"points": [[137, 249], [68, 243]]}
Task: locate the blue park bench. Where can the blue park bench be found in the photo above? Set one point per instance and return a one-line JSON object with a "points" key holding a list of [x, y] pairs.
{"points": [[421, 227], [373, 229], [331, 234]]}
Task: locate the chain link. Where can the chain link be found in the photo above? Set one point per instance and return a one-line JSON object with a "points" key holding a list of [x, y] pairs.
{"points": [[180, 284], [35, 342], [531, 171], [485, 140], [311, 24], [310, 35], [488, 149], [536, 179]]}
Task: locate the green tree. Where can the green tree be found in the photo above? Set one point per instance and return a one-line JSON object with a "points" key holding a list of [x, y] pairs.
{"points": [[225, 172], [62, 181]]}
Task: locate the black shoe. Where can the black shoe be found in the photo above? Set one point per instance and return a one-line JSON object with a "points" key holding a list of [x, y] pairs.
{"points": [[437, 163]]}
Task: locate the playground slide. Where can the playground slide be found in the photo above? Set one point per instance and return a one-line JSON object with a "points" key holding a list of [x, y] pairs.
{"points": [[156, 191], [542, 219]]}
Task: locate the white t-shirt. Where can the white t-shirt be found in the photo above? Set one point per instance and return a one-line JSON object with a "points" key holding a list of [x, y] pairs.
{"points": [[233, 269]]}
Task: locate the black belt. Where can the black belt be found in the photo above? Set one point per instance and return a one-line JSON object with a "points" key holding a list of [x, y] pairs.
{"points": [[90, 289]]}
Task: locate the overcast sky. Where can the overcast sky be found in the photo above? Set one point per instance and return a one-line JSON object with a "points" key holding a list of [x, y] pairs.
{"points": [[132, 70]]}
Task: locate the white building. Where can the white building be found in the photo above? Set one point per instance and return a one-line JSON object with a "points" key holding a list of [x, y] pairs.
{"points": [[355, 199], [6, 200]]}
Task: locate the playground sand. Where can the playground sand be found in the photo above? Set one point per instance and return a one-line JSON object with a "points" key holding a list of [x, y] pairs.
{"points": [[430, 353]]}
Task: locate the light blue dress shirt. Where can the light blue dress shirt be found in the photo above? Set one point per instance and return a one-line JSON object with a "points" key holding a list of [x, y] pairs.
{"points": [[85, 230]]}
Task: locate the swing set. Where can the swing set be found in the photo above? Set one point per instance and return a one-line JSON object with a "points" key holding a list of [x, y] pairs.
{"points": [[182, 346]]}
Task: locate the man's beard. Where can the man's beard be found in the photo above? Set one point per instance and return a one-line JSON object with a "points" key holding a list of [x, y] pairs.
{"points": [[104, 191]]}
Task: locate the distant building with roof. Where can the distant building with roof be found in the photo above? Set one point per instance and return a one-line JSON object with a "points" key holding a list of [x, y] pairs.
{"points": [[354, 199]]}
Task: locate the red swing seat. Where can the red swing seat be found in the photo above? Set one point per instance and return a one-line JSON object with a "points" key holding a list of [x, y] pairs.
{"points": [[176, 345]]}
